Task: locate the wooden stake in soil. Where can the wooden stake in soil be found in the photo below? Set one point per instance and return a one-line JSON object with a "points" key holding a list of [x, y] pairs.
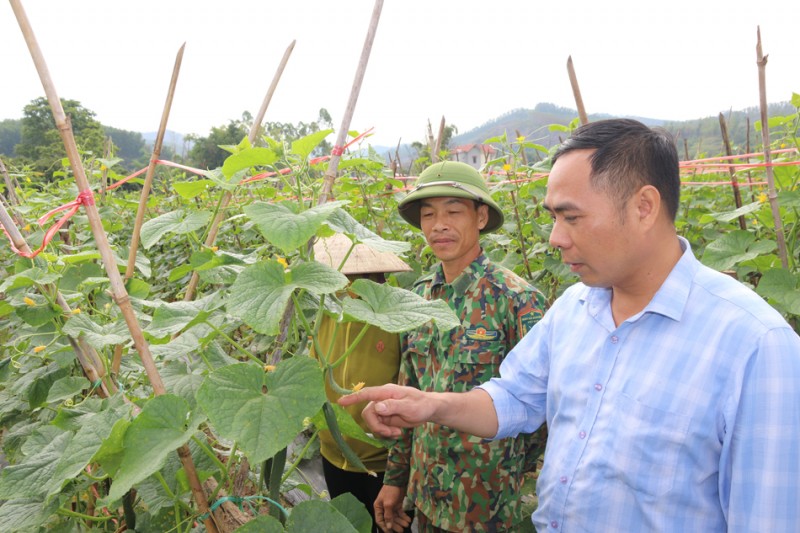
{"points": [[333, 163], [87, 357], [737, 195], [227, 195], [118, 291], [151, 168], [771, 194], [576, 91]]}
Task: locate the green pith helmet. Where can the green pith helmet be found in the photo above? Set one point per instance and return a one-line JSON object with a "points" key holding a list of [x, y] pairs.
{"points": [[450, 179]]}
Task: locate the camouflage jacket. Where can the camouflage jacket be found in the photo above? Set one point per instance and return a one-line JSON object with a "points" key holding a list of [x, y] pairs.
{"points": [[461, 482]]}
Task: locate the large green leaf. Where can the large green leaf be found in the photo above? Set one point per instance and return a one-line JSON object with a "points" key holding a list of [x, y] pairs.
{"points": [[394, 309], [28, 278], [249, 157], [165, 424], [305, 145], [67, 387], [286, 229], [320, 517], [188, 190], [29, 478], [95, 334], [262, 411], [176, 222], [84, 444], [783, 287], [742, 211], [172, 317], [341, 221], [355, 512], [26, 514], [734, 248], [261, 292], [261, 524]]}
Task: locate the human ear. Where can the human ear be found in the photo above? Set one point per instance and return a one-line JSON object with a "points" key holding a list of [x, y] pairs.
{"points": [[483, 216], [648, 204]]}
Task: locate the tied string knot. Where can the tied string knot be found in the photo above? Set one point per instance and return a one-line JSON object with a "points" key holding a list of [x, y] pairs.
{"points": [[70, 208]]}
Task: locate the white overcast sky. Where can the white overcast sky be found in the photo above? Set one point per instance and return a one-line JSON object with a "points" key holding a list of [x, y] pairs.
{"points": [[466, 60]]}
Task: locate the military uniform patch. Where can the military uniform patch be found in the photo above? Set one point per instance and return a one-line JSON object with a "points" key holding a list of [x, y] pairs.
{"points": [[482, 334], [528, 320]]}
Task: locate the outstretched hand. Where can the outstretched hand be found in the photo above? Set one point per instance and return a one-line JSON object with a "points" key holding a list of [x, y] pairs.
{"points": [[392, 407]]}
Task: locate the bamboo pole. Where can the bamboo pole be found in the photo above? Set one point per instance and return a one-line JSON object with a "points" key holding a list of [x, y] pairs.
{"points": [[148, 182], [747, 150], [772, 194], [333, 162], [104, 173], [438, 146], [191, 288], [151, 167], [12, 194], [576, 91], [87, 357], [737, 194], [118, 291]]}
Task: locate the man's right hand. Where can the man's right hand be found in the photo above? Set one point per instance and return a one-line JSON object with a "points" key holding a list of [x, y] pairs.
{"points": [[389, 513], [392, 407]]}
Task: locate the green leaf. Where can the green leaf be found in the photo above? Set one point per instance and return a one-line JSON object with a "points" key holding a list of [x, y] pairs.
{"points": [[742, 211], [732, 249], [95, 334], [261, 524], [110, 453], [341, 222], [172, 317], [318, 516], [261, 292], [249, 157], [189, 190], [67, 388], [783, 287], [305, 145], [28, 278], [176, 222], [37, 315], [285, 229], [165, 424], [28, 479], [24, 514], [394, 309], [355, 512], [262, 411], [82, 447]]}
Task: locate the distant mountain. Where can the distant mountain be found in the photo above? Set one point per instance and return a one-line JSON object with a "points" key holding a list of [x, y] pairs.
{"points": [[174, 141]]}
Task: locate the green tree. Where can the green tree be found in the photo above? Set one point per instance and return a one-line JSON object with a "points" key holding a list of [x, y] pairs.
{"points": [[130, 147], [206, 151], [40, 143], [9, 136]]}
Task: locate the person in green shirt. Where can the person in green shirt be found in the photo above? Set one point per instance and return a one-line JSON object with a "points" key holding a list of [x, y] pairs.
{"points": [[374, 361], [458, 482]]}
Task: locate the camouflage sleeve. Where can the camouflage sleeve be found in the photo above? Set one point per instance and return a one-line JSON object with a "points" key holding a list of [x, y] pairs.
{"points": [[528, 309], [399, 460]]}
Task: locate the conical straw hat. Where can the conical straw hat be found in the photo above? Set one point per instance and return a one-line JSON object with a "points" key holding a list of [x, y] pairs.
{"points": [[362, 260]]}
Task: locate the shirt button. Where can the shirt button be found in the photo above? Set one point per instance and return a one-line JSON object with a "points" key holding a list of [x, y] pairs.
{"points": [[554, 524], [598, 387], [582, 434], [614, 339], [563, 479]]}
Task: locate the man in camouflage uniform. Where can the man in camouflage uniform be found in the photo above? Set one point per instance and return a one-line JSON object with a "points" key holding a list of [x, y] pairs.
{"points": [[458, 482]]}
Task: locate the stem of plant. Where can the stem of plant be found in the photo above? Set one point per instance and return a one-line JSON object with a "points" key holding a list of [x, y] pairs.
{"points": [[299, 457]]}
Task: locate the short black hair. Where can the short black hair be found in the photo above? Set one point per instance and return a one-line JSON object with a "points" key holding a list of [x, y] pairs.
{"points": [[628, 155]]}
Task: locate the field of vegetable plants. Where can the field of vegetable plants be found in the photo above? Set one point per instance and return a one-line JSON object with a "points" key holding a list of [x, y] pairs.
{"points": [[96, 451]]}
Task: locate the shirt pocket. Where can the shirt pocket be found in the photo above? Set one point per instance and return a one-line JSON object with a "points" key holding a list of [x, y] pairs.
{"points": [[475, 362], [645, 455]]}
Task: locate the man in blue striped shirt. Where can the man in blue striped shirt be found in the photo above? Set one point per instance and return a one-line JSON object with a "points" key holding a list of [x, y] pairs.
{"points": [[671, 391]]}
